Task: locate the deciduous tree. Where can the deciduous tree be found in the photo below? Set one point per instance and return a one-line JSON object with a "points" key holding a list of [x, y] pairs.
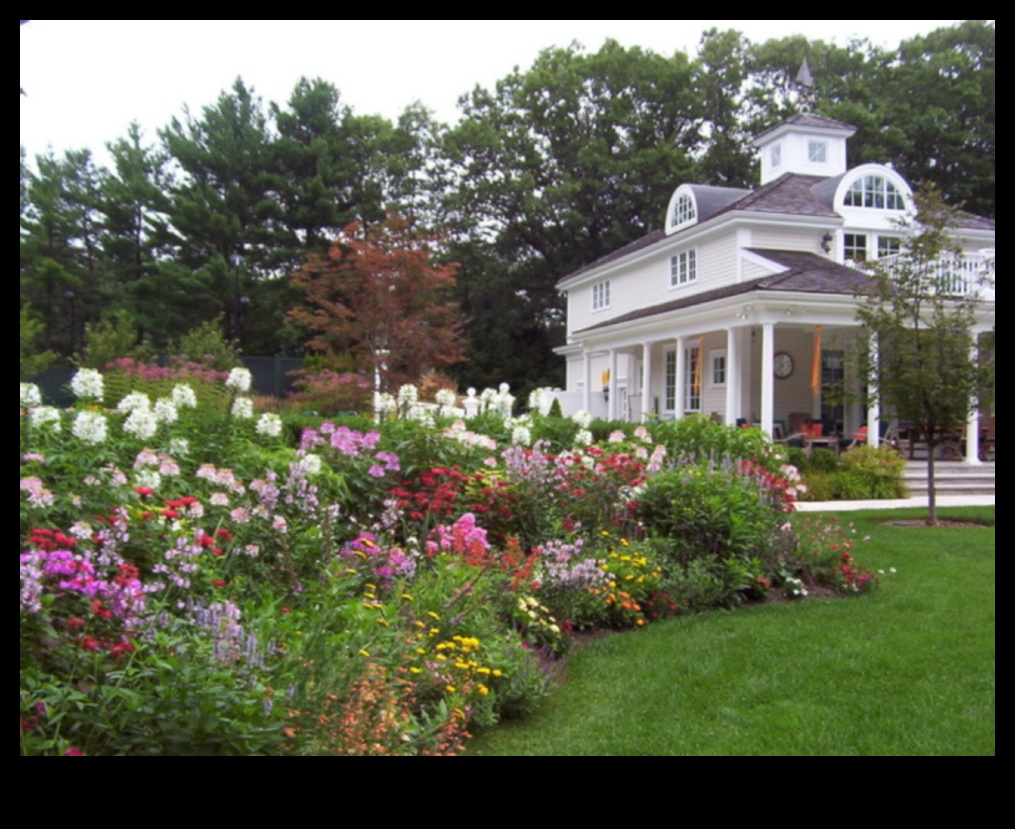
{"points": [[923, 311], [382, 297]]}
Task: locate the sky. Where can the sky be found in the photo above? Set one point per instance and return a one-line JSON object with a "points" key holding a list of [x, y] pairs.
{"points": [[86, 80]]}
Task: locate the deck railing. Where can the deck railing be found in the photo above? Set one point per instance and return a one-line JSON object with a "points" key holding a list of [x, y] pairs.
{"points": [[965, 275]]}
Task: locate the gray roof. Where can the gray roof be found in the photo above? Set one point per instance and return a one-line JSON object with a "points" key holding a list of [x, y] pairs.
{"points": [[791, 193], [711, 199], [809, 119], [804, 273], [971, 221]]}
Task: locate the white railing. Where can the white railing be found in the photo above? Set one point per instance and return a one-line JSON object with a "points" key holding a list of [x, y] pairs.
{"points": [[965, 275]]}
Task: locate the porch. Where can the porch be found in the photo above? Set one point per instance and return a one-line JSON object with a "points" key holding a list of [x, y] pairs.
{"points": [[776, 375]]}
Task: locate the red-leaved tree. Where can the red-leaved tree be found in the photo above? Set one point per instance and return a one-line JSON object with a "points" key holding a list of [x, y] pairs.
{"points": [[382, 298]]}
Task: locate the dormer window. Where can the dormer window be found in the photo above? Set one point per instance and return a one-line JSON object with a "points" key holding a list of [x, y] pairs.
{"points": [[683, 210], [776, 155], [874, 191], [817, 151]]}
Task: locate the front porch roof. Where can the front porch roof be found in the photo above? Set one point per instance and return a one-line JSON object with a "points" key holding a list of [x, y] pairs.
{"points": [[804, 273]]}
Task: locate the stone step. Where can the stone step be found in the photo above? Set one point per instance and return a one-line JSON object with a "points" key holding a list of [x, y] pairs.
{"points": [[951, 478]]}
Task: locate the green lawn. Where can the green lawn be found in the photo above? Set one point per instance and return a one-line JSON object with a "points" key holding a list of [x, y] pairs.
{"points": [[909, 670]]}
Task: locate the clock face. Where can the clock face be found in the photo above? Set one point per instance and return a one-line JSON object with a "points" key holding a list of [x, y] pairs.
{"points": [[782, 365]]}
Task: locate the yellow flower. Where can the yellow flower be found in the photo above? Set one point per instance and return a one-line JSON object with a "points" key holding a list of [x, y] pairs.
{"points": [[364, 654], [498, 672], [415, 670], [433, 615], [383, 623], [451, 689], [407, 597], [484, 671], [483, 690]]}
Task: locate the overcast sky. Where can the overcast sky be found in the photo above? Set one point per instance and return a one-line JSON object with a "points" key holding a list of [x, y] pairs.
{"points": [[87, 79]]}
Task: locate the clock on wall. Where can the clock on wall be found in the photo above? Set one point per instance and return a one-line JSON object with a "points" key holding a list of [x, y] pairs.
{"points": [[782, 364]]}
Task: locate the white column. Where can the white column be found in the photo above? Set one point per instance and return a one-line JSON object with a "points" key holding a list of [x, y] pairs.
{"points": [[732, 376], [873, 404], [767, 377], [611, 408], [587, 386], [678, 380], [747, 369], [973, 420], [646, 381]]}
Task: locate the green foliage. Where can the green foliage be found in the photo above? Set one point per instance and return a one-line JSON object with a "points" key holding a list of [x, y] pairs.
{"points": [[171, 697], [558, 432], [206, 344], [113, 337], [879, 469], [822, 460], [31, 361], [709, 513], [699, 438]]}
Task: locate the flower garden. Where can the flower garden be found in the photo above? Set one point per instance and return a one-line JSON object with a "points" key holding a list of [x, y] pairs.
{"points": [[200, 575]]}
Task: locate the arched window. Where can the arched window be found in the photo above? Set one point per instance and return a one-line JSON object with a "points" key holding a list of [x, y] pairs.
{"points": [[683, 210], [874, 191]]}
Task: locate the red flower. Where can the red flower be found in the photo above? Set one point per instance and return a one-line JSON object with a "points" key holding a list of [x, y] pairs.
{"points": [[144, 491], [219, 582]]}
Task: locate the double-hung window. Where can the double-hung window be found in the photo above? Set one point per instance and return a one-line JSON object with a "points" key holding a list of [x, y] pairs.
{"points": [[601, 295], [683, 268]]}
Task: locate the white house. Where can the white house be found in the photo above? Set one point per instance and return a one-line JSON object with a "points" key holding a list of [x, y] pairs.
{"points": [[743, 306]]}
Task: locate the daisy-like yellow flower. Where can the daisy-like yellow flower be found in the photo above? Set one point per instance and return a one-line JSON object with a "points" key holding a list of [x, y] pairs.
{"points": [[483, 690], [451, 689]]}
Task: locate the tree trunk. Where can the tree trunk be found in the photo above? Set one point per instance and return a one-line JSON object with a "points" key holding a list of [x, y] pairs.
{"points": [[931, 487]]}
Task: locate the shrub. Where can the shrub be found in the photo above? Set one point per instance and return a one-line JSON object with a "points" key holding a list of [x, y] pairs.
{"points": [[31, 361], [112, 337], [329, 393], [879, 470], [822, 460], [724, 513], [206, 344], [699, 438]]}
